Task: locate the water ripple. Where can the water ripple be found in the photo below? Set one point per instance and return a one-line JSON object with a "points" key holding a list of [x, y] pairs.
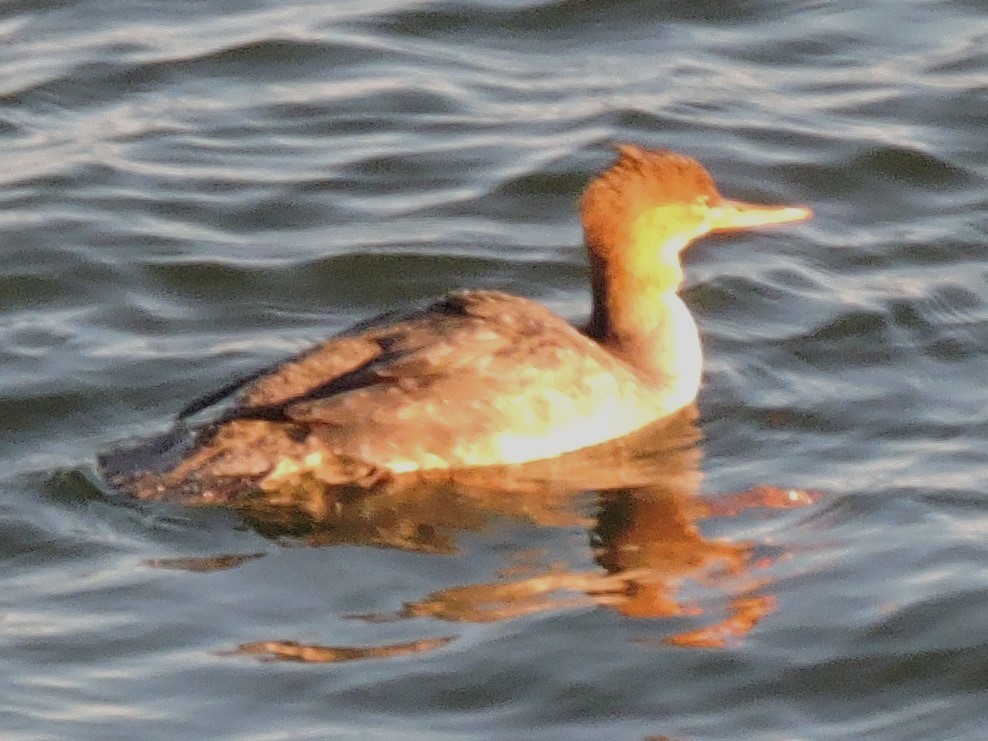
{"points": [[189, 191]]}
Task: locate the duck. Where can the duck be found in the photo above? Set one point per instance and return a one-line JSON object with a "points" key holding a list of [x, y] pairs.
{"points": [[479, 378]]}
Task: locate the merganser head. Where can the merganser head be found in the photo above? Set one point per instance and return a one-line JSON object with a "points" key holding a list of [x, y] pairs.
{"points": [[652, 203]]}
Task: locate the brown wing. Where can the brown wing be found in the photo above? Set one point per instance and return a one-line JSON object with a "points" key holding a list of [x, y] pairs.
{"points": [[444, 385], [445, 337]]}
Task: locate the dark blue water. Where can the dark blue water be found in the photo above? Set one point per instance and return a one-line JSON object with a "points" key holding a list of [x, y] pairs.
{"points": [[189, 191]]}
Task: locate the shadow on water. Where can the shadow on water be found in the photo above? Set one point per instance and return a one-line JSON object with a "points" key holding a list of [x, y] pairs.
{"points": [[642, 524]]}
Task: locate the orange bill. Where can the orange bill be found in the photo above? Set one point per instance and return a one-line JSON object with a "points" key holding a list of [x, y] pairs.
{"points": [[726, 215]]}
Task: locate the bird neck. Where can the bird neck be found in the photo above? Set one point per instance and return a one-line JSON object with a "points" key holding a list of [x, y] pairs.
{"points": [[639, 317]]}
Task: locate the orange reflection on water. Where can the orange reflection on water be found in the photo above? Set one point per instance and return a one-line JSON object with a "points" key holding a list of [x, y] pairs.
{"points": [[645, 538], [744, 614], [316, 654], [651, 558], [648, 544]]}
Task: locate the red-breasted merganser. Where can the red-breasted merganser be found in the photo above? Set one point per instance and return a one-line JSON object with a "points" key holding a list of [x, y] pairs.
{"points": [[482, 378]]}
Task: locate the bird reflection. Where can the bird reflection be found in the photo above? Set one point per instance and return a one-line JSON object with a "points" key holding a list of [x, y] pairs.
{"points": [[648, 551]]}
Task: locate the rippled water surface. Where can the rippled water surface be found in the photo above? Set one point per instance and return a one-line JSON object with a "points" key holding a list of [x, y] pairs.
{"points": [[191, 190]]}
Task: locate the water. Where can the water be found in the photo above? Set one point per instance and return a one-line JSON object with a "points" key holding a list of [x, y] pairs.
{"points": [[191, 190]]}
